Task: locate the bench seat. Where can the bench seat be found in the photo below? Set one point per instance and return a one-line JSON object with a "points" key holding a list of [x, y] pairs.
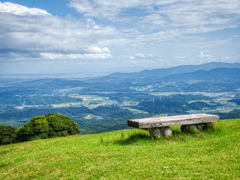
{"points": [[160, 125], [165, 121]]}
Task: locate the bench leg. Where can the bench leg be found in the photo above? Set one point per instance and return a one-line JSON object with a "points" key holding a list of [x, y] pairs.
{"points": [[198, 127], [187, 128], [162, 131], [154, 132], [166, 131]]}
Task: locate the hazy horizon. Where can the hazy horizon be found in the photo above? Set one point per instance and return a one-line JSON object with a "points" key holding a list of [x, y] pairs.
{"points": [[88, 73]]}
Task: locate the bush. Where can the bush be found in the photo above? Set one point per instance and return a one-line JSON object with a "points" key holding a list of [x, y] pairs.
{"points": [[48, 126], [7, 134]]}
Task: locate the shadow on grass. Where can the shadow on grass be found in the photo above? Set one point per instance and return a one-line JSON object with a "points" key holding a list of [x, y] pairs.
{"points": [[134, 138], [144, 138], [177, 136]]}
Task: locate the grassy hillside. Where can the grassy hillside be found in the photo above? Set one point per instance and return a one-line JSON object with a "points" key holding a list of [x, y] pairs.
{"points": [[128, 154]]}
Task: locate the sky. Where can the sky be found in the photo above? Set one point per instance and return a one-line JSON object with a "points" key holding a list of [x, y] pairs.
{"points": [[87, 36]]}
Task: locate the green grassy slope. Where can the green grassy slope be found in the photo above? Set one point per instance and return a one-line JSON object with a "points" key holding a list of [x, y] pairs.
{"points": [[128, 154]]}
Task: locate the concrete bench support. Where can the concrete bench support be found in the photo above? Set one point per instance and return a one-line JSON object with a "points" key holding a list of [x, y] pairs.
{"points": [[187, 128], [197, 127], [159, 126], [162, 131]]}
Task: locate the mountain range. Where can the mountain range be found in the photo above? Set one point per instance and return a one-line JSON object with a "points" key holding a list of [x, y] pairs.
{"points": [[179, 73]]}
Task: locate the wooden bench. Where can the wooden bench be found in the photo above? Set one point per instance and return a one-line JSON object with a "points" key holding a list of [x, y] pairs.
{"points": [[158, 126]]}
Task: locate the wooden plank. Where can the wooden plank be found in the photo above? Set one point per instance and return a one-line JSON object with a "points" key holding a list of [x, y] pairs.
{"points": [[172, 120], [179, 117], [174, 117]]}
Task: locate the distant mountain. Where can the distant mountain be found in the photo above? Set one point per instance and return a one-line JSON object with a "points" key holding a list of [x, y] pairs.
{"points": [[146, 77], [160, 73], [187, 69], [175, 70], [204, 75]]}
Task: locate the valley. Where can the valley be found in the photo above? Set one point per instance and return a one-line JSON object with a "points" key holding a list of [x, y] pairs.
{"points": [[105, 103]]}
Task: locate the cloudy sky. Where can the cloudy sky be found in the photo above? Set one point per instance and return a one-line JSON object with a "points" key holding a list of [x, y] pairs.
{"points": [[43, 36]]}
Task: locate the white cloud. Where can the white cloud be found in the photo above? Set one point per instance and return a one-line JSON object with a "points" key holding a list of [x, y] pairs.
{"points": [[202, 55], [17, 9], [142, 56], [32, 36], [189, 10], [143, 23], [59, 56], [139, 30], [150, 15], [98, 50], [225, 58]]}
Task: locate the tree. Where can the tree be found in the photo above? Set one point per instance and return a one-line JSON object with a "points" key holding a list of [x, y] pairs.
{"points": [[48, 126], [7, 134]]}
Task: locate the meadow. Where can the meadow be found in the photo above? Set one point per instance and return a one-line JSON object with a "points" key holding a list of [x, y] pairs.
{"points": [[128, 154]]}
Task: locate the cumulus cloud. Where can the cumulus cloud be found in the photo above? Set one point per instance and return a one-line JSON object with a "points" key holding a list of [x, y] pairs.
{"points": [[24, 35], [17, 9]]}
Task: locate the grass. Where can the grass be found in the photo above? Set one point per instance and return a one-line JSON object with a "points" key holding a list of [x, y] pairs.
{"points": [[128, 154]]}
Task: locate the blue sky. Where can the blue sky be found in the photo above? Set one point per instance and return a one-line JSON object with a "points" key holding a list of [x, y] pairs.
{"points": [[55, 36]]}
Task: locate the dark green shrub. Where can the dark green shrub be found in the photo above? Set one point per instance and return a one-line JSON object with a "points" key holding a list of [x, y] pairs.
{"points": [[7, 135], [48, 126]]}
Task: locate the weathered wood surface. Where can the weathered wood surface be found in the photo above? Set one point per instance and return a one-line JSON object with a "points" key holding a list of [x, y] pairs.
{"points": [[147, 123]]}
